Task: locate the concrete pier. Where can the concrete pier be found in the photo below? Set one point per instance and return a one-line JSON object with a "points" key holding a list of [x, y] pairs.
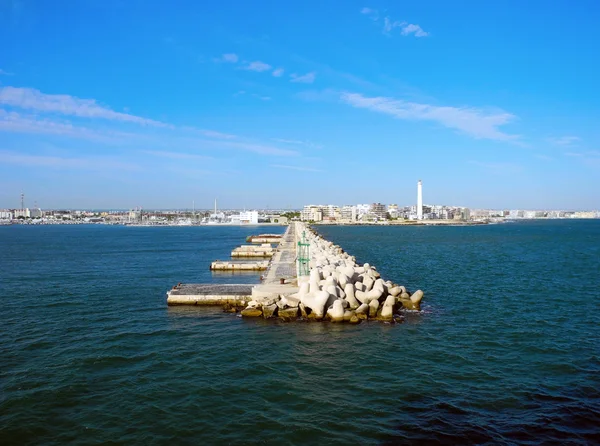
{"points": [[264, 250], [239, 266], [264, 238], [209, 294], [333, 288]]}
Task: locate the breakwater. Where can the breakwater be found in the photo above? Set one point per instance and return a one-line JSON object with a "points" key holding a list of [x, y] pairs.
{"points": [[332, 286]]}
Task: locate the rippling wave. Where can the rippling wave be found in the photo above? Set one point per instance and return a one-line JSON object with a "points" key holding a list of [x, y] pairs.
{"points": [[505, 351]]}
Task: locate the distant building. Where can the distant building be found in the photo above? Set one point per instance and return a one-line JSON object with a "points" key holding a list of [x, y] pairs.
{"points": [[249, 218], [312, 213], [349, 213], [393, 210], [6, 215], [378, 210]]}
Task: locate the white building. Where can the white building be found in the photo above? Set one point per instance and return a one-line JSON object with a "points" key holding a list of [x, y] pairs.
{"points": [[312, 213], [349, 213], [6, 215], [249, 218]]}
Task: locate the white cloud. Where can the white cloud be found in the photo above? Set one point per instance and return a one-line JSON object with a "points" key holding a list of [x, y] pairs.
{"points": [[262, 98], [278, 72], [5, 73], [17, 123], [31, 99], [471, 121], [176, 155], [299, 168], [257, 66], [229, 57], [564, 140], [406, 29], [499, 168], [307, 78], [261, 149], [590, 157], [298, 142], [63, 162], [218, 135], [413, 29]]}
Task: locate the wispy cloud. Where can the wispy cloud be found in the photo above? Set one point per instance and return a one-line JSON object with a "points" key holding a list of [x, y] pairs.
{"points": [[17, 123], [307, 78], [471, 121], [229, 58], [261, 149], [499, 168], [217, 135], [564, 140], [262, 98], [409, 28], [544, 157], [5, 73], [20, 159], [298, 142], [257, 66], [372, 13], [299, 168], [589, 157], [176, 155], [31, 99], [406, 29], [278, 72]]}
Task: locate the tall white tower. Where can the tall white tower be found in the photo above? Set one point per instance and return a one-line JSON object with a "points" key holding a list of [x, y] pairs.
{"points": [[419, 200]]}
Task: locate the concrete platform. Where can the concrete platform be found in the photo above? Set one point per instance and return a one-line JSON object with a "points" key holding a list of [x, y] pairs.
{"points": [[239, 266], [210, 294]]}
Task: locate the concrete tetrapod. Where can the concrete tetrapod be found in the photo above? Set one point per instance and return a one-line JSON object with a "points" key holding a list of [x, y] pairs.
{"points": [[387, 311], [316, 302]]}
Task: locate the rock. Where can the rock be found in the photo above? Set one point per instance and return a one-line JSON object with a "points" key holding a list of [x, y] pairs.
{"points": [[373, 306], [288, 314], [269, 311], [348, 315], [387, 311], [404, 296], [251, 312], [359, 286], [303, 312], [229, 308], [290, 301], [355, 319], [280, 304], [266, 301]]}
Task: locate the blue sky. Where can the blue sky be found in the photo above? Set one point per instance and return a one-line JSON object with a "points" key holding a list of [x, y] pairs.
{"points": [[116, 104]]}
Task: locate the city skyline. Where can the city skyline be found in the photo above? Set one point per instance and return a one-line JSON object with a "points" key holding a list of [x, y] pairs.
{"points": [[144, 104]]}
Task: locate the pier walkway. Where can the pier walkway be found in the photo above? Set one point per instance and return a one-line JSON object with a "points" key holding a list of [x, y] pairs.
{"points": [[283, 263], [282, 267]]}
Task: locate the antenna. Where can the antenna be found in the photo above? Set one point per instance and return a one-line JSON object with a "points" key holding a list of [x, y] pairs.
{"points": [[22, 201]]}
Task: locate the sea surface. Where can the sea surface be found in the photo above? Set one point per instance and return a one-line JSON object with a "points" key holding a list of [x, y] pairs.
{"points": [[505, 351]]}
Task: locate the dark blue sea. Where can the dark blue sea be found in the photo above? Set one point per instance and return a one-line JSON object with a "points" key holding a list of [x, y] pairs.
{"points": [[505, 351]]}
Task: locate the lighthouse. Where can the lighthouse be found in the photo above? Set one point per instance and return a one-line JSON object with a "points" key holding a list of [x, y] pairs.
{"points": [[419, 200]]}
